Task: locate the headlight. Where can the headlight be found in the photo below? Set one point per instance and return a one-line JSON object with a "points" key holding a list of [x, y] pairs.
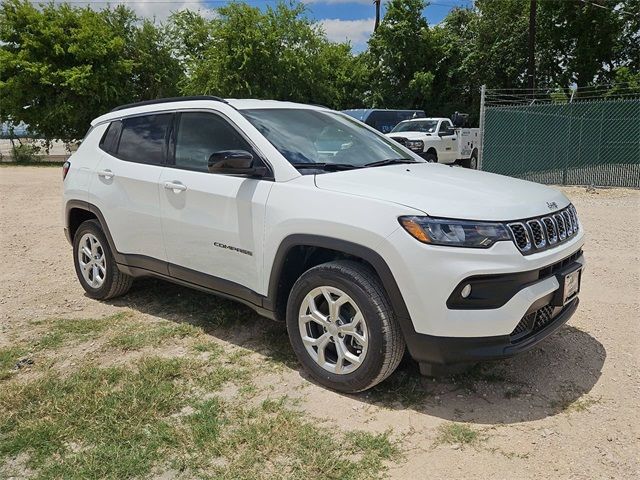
{"points": [[416, 145], [455, 233]]}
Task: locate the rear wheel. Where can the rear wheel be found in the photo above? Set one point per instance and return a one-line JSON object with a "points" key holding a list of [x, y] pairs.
{"points": [[342, 327], [95, 266], [471, 162]]}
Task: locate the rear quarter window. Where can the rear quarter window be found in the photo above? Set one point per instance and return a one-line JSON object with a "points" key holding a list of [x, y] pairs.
{"points": [[111, 137]]}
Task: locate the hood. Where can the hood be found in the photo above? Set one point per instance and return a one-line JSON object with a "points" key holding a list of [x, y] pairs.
{"points": [[410, 135], [451, 192]]}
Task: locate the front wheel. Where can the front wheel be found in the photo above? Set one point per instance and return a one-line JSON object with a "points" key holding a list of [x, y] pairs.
{"points": [[431, 157], [342, 327]]}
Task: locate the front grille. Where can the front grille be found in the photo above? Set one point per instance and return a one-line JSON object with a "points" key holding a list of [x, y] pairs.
{"points": [[550, 230], [533, 323], [536, 234], [539, 240], [400, 140], [521, 236]]}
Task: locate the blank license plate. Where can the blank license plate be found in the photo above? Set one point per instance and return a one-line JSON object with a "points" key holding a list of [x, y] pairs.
{"points": [[571, 285]]}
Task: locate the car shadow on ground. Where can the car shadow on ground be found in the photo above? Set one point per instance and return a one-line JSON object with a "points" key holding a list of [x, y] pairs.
{"points": [[554, 377]]}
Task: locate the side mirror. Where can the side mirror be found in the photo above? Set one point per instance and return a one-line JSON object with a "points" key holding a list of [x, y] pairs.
{"points": [[235, 162]]}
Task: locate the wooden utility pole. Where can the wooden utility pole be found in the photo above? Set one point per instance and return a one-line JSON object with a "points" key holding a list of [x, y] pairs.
{"points": [[531, 68], [377, 4]]}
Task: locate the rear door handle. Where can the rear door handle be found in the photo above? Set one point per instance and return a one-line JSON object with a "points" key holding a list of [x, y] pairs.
{"points": [[176, 187], [107, 174]]}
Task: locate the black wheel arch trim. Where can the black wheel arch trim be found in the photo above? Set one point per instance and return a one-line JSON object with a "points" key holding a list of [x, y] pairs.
{"points": [[367, 254]]}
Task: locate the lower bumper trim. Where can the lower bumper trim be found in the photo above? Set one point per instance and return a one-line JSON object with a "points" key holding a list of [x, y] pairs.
{"points": [[452, 350]]}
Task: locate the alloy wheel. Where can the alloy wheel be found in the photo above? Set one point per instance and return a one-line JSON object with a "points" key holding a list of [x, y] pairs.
{"points": [[92, 260], [333, 330]]}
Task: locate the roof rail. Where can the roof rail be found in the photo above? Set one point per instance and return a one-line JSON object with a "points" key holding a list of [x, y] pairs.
{"points": [[167, 100]]}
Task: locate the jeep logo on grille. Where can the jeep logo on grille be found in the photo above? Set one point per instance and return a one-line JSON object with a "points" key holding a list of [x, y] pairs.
{"points": [[552, 205]]}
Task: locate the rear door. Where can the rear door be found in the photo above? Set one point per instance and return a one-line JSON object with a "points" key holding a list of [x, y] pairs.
{"points": [[125, 187], [213, 223]]}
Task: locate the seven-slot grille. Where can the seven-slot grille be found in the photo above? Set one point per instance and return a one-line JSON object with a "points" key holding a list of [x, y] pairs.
{"points": [[544, 232]]}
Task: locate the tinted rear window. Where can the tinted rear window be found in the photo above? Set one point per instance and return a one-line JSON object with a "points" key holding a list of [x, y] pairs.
{"points": [[143, 138], [109, 142]]}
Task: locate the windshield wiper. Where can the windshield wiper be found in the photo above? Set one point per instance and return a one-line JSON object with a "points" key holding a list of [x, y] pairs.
{"points": [[329, 167], [389, 161]]}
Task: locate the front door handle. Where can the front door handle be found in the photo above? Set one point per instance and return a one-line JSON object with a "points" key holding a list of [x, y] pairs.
{"points": [[176, 187], [106, 174]]}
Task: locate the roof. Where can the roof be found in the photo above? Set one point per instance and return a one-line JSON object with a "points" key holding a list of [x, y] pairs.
{"points": [[363, 113], [174, 103], [424, 118]]}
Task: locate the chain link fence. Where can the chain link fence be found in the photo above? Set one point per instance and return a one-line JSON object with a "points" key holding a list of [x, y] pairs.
{"points": [[555, 138]]}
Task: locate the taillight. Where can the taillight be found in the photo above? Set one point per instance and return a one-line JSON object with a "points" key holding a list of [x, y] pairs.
{"points": [[65, 169]]}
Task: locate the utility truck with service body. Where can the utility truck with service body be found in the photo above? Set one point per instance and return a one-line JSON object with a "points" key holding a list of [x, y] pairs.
{"points": [[438, 140], [312, 218]]}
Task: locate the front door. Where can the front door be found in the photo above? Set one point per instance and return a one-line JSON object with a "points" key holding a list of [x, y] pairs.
{"points": [[447, 153], [213, 224]]}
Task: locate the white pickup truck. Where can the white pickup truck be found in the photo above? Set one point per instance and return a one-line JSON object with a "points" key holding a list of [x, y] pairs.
{"points": [[437, 140]]}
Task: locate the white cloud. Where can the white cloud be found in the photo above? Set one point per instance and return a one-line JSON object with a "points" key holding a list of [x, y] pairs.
{"points": [[356, 31], [367, 2], [151, 9]]}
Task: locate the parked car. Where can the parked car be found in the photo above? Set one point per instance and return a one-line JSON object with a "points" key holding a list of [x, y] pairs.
{"points": [[438, 140], [381, 119], [312, 218]]}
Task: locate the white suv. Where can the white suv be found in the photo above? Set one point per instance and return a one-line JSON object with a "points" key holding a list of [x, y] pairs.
{"points": [[313, 218]]}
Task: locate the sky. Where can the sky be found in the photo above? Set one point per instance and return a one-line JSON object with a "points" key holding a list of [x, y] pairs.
{"points": [[342, 20]]}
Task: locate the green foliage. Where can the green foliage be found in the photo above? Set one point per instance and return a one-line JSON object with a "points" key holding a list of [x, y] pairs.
{"points": [[62, 66], [457, 433], [277, 53], [24, 152], [402, 57]]}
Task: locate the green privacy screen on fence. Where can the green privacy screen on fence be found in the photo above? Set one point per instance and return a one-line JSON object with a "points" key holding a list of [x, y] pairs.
{"points": [[580, 143]]}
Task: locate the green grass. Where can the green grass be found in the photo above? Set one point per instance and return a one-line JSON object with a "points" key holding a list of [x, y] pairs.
{"points": [[8, 358], [137, 336], [65, 331], [157, 414], [457, 433]]}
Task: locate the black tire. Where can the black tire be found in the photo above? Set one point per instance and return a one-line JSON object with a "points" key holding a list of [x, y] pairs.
{"points": [[386, 344], [471, 162], [431, 157], [115, 282]]}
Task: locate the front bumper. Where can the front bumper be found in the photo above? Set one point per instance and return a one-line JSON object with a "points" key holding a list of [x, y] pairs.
{"points": [[451, 350], [438, 333]]}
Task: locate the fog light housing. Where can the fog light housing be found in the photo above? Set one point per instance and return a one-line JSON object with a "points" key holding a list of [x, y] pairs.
{"points": [[466, 291]]}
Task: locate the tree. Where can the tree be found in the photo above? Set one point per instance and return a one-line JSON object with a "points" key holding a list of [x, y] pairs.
{"points": [[278, 53], [402, 57], [578, 42], [61, 66]]}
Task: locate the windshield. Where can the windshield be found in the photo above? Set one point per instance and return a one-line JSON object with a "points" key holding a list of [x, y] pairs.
{"points": [[425, 126], [305, 136]]}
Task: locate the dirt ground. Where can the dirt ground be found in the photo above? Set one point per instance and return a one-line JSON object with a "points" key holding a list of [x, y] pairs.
{"points": [[570, 408]]}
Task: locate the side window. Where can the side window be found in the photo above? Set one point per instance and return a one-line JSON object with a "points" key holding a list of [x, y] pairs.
{"points": [[109, 142], [445, 129], [143, 138], [199, 134]]}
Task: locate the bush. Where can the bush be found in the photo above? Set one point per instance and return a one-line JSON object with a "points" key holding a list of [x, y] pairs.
{"points": [[25, 153]]}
